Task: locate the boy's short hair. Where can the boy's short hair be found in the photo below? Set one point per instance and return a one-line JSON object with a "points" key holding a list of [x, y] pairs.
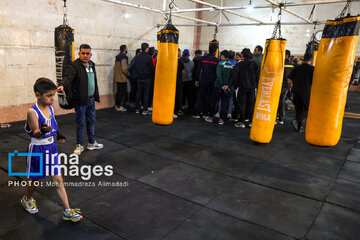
{"points": [[287, 52], [308, 56], [238, 54], [84, 46], [246, 53], [260, 48], [198, 52], [225, 53], [151, 51], [43, 85], [137, 51], [231, 55], [144, 46]]}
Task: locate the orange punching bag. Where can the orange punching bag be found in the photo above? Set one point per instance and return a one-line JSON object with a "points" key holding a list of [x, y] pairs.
{"points": [[165, 76], [312, 47], [334, 65], [269, 90], [216, 43]]}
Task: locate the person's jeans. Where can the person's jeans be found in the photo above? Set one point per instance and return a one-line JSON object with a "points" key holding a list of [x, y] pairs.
{"points": [[85, 112]]}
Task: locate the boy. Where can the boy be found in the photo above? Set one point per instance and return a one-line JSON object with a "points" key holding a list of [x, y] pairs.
{"points": [[222, 87], [42, 127]]}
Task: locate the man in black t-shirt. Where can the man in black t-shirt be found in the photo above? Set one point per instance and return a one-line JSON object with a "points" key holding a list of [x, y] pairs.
{"points": [[300, 80], [179, 87]]}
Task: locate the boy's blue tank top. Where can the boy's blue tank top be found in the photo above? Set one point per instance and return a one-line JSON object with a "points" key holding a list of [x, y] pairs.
{"points": [[41, 119]]}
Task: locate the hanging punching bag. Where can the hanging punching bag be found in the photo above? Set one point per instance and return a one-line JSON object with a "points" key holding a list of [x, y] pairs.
{"points": [[312, 47], [216, 43], [269, 90], [331, 79], [165, 76], [64, 55], [315, 52]]}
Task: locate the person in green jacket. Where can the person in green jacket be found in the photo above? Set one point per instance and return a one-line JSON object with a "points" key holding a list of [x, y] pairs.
{"points": [[258, 56], [222, 88]]}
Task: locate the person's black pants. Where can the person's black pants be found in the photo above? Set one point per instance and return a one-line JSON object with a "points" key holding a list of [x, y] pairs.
{"points": [[281, 109], [179, 95], [204, 97], [133, 85], [301, 107], [189, 89], [143, 88], [120, 93], [218, 94], [246, 101]]}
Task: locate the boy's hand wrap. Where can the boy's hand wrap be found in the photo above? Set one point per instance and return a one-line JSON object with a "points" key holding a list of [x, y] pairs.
{"points": [[44, 129]]}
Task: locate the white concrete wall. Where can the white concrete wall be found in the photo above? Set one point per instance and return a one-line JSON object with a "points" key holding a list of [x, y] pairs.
{"points": [[239, 37], [27, 39]]}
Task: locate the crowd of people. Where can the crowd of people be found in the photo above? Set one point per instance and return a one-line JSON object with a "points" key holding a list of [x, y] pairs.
{"points": [[210, 87]]}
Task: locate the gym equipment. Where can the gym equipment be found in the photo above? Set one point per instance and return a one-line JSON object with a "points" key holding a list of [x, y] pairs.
{"points": [[215, 42], [64, 55], [165, 74], [269, 88], [334, 65]]}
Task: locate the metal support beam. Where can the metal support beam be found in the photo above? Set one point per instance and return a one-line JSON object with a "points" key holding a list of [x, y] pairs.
{"points": [[158, 11], [246, 24], [229, 11], [289, 4], [289, 11]]}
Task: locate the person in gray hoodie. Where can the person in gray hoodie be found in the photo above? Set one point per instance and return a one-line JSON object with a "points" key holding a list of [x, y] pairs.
{"points": [[188, 80]]}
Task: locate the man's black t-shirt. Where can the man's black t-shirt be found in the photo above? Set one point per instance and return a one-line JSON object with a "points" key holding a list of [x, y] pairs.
{"points": [[301, 77]]}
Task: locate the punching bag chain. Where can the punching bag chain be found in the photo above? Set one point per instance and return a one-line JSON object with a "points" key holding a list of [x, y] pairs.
{"points": [[171, 6], [346, 10], [65, 21], [278, 23], [216, 30]]}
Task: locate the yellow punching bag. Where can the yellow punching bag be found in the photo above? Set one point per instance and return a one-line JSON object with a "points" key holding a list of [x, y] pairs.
{"points": [[316, 48], [216, 43], [334, 65], [269, 90], [165, 76]]}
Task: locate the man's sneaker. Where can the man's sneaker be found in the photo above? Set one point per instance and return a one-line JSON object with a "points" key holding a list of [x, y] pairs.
{"points": [[301, 129], [246, 120], [209, 119], [280, 122], [117, 108], [94, 146], [229, 116], [78, 149], [137, 111], [217, 115], [150, 109], [122, 109], [249, 125], [146, 113], [220, 122], [239, 125], [72, 215], [175, 116], [197, 116], [295, 124], [29, 205], [180, 113]]}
